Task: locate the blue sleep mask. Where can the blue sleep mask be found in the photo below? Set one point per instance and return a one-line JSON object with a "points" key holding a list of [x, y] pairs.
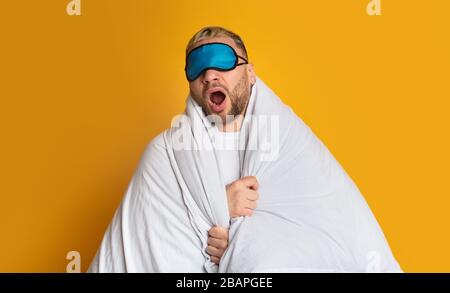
{"points": [[218, 56]]}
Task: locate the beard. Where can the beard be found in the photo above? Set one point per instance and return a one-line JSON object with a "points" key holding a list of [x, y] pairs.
{"points": [[239, 97]]}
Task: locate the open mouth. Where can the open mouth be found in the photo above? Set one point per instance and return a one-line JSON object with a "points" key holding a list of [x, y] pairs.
{"points": [[217, 100], [217, 97]]}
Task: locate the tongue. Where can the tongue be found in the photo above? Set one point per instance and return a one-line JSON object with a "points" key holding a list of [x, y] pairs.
{"points": [[217, 98]]}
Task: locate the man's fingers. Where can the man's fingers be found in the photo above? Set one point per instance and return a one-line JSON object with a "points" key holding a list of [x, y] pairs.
{"points": [[252, 195], [213, 251], [251, 204], [215, 259], [243, 212], [247, 212], [250, 182], [218, 232], [218, 243]]}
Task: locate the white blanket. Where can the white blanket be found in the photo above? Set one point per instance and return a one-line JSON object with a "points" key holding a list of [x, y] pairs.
{"points": [[310, 216]]}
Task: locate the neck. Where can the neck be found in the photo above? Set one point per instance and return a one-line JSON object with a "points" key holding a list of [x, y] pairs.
{"points": [[232, 126]]}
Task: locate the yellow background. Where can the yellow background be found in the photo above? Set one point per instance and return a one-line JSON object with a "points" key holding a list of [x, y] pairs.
{"points": [[81, 96]]}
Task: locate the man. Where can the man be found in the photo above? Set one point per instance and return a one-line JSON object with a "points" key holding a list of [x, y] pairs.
{"points": [[194, 202]]}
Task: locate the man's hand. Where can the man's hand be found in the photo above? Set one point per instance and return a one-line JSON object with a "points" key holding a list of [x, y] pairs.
{"points": [[242, 196], [217, 243]]}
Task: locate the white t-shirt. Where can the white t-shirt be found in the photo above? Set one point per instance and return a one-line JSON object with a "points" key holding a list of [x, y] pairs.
{"points": [[226, 145]]}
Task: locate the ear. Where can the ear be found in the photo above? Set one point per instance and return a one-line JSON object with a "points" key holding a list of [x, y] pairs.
{"points": [[251, 73]]}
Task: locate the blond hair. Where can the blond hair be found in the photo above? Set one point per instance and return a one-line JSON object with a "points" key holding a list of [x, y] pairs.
{"points": [[215, 31]]}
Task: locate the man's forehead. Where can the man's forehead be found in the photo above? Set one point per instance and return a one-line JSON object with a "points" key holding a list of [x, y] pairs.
{"points": [[225, 40]]}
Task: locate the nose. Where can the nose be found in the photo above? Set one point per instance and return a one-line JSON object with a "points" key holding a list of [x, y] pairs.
{"points": [[210, 75]]}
